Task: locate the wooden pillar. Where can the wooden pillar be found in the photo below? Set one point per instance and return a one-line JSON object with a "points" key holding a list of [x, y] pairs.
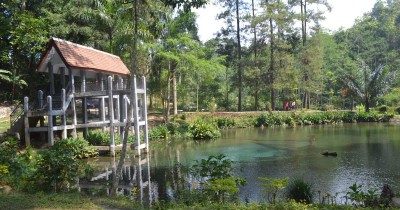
{"points": [[71, 80], [134, 103], [50, 119], [119, 105], [144, 115], [73, 103], [62, 77], [64, 116], [40, 99], [84, 104], [26, 121], [41, 120], [111, 113], [102, 112], [51, 78]]}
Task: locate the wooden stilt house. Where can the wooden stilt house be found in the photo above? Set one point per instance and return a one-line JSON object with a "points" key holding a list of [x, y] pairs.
{"points": [[87, 89]]}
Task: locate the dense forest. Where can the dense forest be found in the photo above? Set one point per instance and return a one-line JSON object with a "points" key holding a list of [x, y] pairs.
{"points": [[267, 53]]}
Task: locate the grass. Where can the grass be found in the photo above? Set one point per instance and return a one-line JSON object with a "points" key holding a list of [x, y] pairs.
{"points": [[4, 124], [17, 200]]}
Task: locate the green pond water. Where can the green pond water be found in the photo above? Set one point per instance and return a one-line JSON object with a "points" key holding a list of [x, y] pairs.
{"points": [[368, 154]]}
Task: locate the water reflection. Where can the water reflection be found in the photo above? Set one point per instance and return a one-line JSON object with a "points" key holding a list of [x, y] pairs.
{"points": [[367, 154], [135, 180]]}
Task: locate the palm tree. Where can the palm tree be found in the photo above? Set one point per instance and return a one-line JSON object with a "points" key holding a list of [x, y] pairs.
{"points": [[14, 79], [368, 84]]}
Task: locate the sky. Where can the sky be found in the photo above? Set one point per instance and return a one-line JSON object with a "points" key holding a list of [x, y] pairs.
{"points": [[343, 14]]}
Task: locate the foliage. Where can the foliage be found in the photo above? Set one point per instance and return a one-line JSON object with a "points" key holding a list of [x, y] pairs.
{"points": [[361, 198], [204, 130], [20, 165], [59, 166], [215, 175], [223, 188], [300, 191], [397, 110], [383, 109], [214, 167], [3, 172], [159, 132], [224, 122], [178, 128], [272, 185], [100, 138]]}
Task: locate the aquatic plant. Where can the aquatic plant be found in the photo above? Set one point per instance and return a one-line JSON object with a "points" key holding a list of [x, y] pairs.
{"points": [[300, 191], [204, 130]]}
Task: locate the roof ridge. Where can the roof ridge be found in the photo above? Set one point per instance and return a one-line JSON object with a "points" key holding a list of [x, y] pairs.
{"points": [[82, 46]]}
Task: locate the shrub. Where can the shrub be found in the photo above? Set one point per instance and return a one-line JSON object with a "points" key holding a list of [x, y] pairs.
{"points": [[383, 109], [19, 165], [350, 117], [359, 197], [204, 130], [397, 110], [159, 132], [59, 166], [100, 138], [300, 191], [224, 122], [215, 174], [272, 185]]}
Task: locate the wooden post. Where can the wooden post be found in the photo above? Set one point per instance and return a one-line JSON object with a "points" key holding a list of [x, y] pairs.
{"points": [[26, 121], [84, 104], [62, 77], [73, 103], [111, 113], [71, 80], [41, 120], [64, 116], [144, 115], [102, 113], [134, 103], [51, 78], [50, 119], [40, 99]]}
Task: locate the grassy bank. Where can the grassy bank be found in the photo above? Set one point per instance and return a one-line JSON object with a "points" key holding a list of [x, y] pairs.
{"points": [[16, 200]]}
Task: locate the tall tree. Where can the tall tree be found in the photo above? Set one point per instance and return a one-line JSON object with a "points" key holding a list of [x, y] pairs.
{"points": [[234, 7]]}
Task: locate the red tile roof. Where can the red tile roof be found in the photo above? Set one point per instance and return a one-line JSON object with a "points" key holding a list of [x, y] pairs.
{"points": [[82, 57]]}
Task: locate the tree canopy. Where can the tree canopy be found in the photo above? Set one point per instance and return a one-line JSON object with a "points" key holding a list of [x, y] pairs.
{"points": [[266, 54]]}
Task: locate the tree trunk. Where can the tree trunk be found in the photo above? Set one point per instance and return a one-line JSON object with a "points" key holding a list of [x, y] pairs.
{"points": [[255, 57], [367, 105], [174, 92], [239, 57], [121, 162], [272, 64]]}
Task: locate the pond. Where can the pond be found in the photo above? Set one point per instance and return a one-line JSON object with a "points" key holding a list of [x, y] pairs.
{"points": [[368, 154]]}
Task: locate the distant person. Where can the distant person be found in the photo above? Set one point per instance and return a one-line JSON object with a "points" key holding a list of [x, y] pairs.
{"points": [[293, 105], [287, 106]]}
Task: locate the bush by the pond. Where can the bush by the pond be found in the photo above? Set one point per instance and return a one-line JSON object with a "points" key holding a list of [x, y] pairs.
{"points": [[300, 191], [159, 132], [178, 128], [397, 110], [18, 165], [100, 138], [224, 122], [204, 130], [383, 109], [280, 119], [58, 167]]}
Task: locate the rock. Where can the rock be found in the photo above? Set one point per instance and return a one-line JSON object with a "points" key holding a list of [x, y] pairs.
{"points": [[386, 195], [329, 153], [395, 202]]}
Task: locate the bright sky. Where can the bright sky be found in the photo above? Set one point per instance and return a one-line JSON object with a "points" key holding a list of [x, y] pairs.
{"points": [[343, 14]]}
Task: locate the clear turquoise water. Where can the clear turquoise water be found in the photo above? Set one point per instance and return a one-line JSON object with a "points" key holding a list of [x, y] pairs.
{"points": [[368, 154]]}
